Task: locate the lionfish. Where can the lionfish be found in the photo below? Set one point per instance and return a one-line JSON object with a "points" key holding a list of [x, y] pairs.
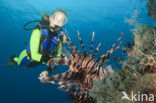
{"points": [[83, 68]]}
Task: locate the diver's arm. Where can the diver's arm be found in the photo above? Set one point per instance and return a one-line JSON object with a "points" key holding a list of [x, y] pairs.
{"points": [[34, 45]]}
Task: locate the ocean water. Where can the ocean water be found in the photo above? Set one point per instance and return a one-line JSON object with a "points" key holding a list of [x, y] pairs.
{"points": [[105, 17]]}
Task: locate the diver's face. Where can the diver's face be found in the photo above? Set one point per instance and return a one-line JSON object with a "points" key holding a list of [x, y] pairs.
{"points": [[58, 19]]}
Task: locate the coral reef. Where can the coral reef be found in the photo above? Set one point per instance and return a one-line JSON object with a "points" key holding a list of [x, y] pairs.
{"points": [[139, 58], [110, 90], [146, 85], [137, 75], [138, 72]]}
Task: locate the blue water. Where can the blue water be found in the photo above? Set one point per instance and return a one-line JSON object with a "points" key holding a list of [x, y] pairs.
{"points": [[105, 17]]}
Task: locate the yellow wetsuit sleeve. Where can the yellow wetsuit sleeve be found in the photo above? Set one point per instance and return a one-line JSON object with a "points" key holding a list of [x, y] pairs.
{"points": [[59, 52], [35, 45]]}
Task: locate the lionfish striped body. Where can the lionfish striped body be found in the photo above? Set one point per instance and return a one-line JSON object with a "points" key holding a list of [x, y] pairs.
{"points": [[83, 69]]}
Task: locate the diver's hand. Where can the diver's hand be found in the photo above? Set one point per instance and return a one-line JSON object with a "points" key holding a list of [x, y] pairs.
{"points": [[44, 77]]}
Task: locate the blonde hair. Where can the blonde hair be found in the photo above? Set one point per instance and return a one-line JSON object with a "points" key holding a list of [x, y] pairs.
{"points": [[45, 15], [60, 10]]}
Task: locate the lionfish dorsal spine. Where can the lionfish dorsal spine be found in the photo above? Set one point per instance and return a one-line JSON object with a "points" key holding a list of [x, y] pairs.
{"points": [[97, 49], [110, 51], [67, 34], [65, 46], [91, 46], [72, 45], [117, 40], [73, 52], [81, 42]]}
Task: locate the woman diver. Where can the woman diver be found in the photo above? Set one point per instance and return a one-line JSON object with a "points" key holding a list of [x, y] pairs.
{"points": [[43, 40]]}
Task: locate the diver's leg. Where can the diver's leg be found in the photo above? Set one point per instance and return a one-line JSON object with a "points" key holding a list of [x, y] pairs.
{"points": [[19, 60]]}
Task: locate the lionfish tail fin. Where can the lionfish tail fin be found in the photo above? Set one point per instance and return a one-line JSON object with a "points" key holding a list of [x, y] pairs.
{"points": [[91, 46], [81, 42]]}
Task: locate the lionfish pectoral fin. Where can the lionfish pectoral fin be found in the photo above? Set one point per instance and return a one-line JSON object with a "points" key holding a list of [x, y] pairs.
{"points": [[63, 79], [57, 61], [81, 42]]}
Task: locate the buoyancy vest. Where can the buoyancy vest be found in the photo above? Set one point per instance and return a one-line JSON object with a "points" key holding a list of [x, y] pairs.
{"points": [[47, 42]]}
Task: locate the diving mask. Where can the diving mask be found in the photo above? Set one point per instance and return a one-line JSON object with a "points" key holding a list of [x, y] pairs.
{"points": [[60, 19]]}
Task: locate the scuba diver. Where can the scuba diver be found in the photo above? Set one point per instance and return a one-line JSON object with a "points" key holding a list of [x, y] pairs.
{"points": [[43, 42]]}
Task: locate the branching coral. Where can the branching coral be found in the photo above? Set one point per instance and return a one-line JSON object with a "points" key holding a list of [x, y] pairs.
{"points": [[110, 90], [138, 72], [146, 85], [139, 57]]}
